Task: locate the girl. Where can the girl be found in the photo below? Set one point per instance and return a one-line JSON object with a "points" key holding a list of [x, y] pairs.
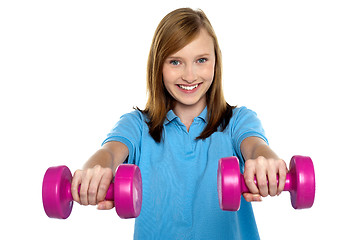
{"points": [[177, 140]]}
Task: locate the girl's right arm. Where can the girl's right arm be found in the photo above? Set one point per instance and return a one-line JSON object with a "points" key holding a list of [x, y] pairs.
{"points": [[97, 174]]}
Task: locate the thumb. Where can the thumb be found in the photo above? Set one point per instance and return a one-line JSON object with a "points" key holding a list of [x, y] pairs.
{"points": [[105, 205], [250, 197]]}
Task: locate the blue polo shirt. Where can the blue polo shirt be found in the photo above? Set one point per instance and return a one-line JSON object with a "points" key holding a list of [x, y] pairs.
{"points": [[179, 175]]}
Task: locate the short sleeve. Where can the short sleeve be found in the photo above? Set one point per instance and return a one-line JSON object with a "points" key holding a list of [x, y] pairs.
{"points": [[128, 130], [245, 123]]}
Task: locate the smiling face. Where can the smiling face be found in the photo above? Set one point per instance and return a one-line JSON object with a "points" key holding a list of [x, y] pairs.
{"points": [[188, 73]]}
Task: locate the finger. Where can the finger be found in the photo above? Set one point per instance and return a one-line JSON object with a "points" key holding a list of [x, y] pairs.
{"points": [[262, 182], [282, 172], [93, 191], [105, 205], [86, 178], [249, 173], [94, 185], [105, 181], [250, 197], [272, 180], [76, 181]]}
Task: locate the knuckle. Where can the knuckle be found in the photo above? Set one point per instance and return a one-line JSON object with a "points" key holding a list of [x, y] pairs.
{"points": [[249, 180], [280, 163], [105, 172], [92, 192], [103, 187], [97, 168], [87, 173], [248, 165], [83, 193], [74, 187], [88, 170], [108, 171], [78, 172], [260, 159], [262, 183]]}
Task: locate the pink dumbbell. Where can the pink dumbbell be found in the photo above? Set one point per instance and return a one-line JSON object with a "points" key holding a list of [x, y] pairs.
{"points": [[300, 182], [125, 191]]}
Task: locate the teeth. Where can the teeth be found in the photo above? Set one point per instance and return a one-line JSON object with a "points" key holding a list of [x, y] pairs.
{"points": [[188, 88]]}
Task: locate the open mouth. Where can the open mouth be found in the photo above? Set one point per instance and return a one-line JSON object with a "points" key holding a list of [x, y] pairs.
{"points": [[188, 88]]}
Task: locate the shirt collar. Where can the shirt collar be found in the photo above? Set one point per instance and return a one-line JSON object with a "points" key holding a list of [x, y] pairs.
{"points": [[203, 115], [171, 116]]}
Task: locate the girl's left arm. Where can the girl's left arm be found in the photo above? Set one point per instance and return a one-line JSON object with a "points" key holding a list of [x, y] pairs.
{"points": [[264, 164]]}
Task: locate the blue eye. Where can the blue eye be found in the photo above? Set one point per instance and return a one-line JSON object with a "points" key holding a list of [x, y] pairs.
{"points": [[175, 62], [202, 60]]}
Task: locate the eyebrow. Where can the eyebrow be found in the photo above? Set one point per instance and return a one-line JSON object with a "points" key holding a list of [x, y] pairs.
{"points": [[198, 56]]}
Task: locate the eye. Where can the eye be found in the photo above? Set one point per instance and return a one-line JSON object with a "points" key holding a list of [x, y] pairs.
{"points": [[174, 62], [202, 60]]}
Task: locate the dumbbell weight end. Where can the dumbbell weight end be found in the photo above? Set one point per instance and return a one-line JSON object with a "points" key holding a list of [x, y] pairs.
{"points": [[300, 182], [126, 191], [56, 192]]}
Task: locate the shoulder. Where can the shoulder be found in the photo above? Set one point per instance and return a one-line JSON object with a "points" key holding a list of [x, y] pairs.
{"points": [[130, 121], [135, 115], [242, 112], [244, 119]]}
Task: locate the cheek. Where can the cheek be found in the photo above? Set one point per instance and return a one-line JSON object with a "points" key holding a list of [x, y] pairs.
{"points": [[168, 79], [208, 73], [169, 75]]}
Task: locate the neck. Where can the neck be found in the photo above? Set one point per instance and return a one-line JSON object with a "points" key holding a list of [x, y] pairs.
{"points": [[188, 113]]}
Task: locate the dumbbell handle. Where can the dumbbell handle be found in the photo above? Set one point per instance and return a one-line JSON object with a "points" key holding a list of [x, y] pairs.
{"points": [[109, 196], [288, 184]]}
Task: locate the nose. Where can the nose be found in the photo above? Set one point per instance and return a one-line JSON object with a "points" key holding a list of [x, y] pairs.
{"points": [[189, 74]]}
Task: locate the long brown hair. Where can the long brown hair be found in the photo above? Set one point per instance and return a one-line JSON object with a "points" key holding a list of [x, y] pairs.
{"points": [[175, 31]]}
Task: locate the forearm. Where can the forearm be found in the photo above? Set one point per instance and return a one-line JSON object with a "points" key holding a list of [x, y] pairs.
{"points": [[111, 155], [263, 150], [254, 147], [102, 157]]}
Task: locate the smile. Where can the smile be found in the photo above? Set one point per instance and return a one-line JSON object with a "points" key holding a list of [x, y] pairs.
{"points": [[188, 88]]}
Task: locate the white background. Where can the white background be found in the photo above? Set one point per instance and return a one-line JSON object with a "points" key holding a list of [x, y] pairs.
{"points": [[70, 69]]}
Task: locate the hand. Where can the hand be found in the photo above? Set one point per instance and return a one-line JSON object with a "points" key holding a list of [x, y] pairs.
{"points": [[264, 170], [94, 186]]}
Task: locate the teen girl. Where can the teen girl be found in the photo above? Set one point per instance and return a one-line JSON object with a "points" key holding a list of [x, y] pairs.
{"points": [[177, 140]]}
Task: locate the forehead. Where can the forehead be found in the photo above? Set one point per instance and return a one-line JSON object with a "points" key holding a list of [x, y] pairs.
{"points": [[202, 44]]}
